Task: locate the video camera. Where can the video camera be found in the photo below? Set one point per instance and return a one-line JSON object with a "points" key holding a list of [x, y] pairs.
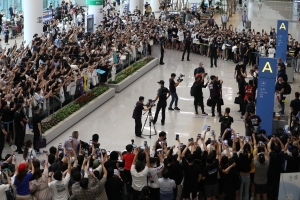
{"points": [[148, 104], [180, 78]]}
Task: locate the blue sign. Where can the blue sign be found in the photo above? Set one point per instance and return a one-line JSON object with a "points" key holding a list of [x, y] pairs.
{"points": [[282, 39], [266, 92], [194, 6], [126, 8], [47, 16]]}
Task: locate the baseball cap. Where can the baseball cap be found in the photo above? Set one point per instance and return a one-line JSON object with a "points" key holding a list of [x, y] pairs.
{"points": [[212, 77], [161, 82], [21, 167]]}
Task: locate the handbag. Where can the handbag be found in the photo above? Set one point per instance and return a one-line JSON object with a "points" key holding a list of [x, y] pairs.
{"points": [[238, 100], [41, 143], [221, 101], [209, 102]]}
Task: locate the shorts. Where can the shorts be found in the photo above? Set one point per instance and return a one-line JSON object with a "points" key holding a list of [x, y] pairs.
{"points": [[261, 188], [211, 190], [188, 189]]}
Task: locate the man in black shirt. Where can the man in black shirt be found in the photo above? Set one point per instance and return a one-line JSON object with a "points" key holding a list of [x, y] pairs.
{"points": [[215, 94], [172, 88], [238, 68], [137, 116], [226, 121], [37, 127], [198, 94], [295, 105], [252, 123], [2, 136], [212, 51], [210, 175], [162, 95], [19, 128], [280, 88], [187, 47], [162, 49]]}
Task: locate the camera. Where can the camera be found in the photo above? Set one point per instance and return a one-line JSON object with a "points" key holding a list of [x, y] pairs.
{"points": [[148, 104], [180, 78]]}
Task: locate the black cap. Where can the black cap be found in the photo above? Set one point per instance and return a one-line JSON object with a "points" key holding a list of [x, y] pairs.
{"points": [[161, 82], [212, 77], [173, 74]]}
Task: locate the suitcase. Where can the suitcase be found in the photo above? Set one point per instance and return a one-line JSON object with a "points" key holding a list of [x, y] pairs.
{"points": [[248, 24]]}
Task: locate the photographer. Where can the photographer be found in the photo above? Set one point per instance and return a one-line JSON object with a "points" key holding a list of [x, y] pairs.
{"points": [[137, 116], [172, 88], [198, 94], [162, 94], [215, 94]]}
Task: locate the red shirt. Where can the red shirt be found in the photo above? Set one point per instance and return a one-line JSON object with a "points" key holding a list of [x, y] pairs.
{"points": [[128, 159]]}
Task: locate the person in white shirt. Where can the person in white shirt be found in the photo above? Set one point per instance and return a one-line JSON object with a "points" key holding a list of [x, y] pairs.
{"points": [[139, 172], [59, 186], [224, 21], [166, 186], [4, 187], [259, 6], [79, 19], [29, 153], [271, 52], [152, 176]]}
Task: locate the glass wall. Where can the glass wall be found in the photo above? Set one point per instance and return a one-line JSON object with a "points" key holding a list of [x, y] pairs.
{"points": [[5, 4]]}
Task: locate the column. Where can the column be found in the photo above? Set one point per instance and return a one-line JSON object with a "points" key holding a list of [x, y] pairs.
{"points": [[33, 19], [155, 5], [133, 4], [282, 39], [96, 9]]}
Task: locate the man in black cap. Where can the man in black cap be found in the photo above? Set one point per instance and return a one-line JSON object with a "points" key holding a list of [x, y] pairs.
{"points": [[37, 127], [187, 47], [2, 136], [162, 94], [212, 52], [137, 116]]}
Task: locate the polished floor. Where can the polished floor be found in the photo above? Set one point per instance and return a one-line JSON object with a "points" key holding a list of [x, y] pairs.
{"points": [[113, 122]]}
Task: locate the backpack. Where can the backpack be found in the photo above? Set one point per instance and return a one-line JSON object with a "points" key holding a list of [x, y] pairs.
{"points": [[10, 195], [288, 89], [192, 92], [226, 122]]}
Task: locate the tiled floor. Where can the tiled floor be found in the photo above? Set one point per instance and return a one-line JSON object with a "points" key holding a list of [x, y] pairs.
{"points": [[113, 122]]}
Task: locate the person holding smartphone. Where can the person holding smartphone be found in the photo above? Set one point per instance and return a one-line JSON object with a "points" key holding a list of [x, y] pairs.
{"points": [[73, 142]]}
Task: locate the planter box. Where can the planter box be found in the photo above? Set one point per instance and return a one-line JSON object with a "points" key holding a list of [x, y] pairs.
{"points": [[133, 77], [67, 123]]}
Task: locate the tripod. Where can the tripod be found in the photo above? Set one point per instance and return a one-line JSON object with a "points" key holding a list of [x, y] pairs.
{"points": [[150, 122]]}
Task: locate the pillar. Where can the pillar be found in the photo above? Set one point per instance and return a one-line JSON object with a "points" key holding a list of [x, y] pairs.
{"points": [[133, 4], [155, 5], [96, 9], [33, 21]]}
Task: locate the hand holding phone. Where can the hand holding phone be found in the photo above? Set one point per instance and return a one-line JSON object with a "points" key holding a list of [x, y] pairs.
{"points": [[177, 137]]}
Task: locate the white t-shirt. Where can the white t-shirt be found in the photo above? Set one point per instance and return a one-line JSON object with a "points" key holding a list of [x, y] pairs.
{"points": [[152, 175], [3, 188], [31, 152], [139, 179], [166, 185], [271, 52], [79, 18], [60, 188]]}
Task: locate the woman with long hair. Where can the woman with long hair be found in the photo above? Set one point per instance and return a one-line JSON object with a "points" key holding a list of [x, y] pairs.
{"points": [[29, 152], [22, 179], [39, 186]]}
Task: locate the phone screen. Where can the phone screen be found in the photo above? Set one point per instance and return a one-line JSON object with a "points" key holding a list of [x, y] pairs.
{"points": [[177, 136], [145, 143], [90, 169], [212, 132], [91, 142], [70, 138]]}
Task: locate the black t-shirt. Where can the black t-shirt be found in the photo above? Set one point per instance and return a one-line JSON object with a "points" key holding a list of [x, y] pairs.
{"points": [[276, 161], [191, 173], [250, 106], [214, 89], [292, 164], [17, 119], [210, 172], [113, 187], [213, 49], [238, 69], [253, 120], [175, 171], [35, 121], [162, 93], [137, 112], [295, 104], [172, 85]]}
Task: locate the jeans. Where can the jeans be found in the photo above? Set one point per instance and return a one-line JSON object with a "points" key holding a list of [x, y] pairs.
{"points": [[174, 98], [244, 22], [245, 181]]}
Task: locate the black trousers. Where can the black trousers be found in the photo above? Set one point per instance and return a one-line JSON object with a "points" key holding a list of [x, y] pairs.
{"points": [[20, 135], [213, 57], [36, 136], [198, 101], [188, 50], [149, 49], [162, 53], [215, 101], [161, 106], [154, 193], [138, 127], [1, 144], [137, 195]]}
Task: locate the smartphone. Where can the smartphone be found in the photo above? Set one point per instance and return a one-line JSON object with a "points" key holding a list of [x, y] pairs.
{"points": [[213, 141], [220, 139], [260, 143], [96, 146], [99, 159], [208, 128], [142, 147], [212, 132], [108, 153], [225, 142], [145, 143], [116, 172], [103, 151], [90, 169], [70, 138], [45, 151], [91, 142], [134, 146], [68, 148], [31, 157], [59, 144], [85, 155], [192, 139], [229, 129], [241, 137], [232, 137], [60, 149], [13, 156], [207, 78], [159, 150], [159, 143], [199, 136], [43, 162], [177, 137]]}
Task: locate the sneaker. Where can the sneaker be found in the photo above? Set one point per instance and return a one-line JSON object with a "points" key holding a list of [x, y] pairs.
{"points": [[161, 63], [188, 60], [239, 111], [213, 115], [163, 123], [170, 108], [215, 65], [204, 113], [196, 113], [176, 108]]}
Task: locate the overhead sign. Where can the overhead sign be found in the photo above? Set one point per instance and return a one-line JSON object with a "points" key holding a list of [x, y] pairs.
{"points": [[194, 6], [266, 92], [282, 39], [94, 2]]}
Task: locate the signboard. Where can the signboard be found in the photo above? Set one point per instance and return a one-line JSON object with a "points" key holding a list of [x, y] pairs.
{"points": [[94, 2], [126, 8], [47, 16], [266, 92], [289, 187], [194, 7], [90, 23], [282, 39]]}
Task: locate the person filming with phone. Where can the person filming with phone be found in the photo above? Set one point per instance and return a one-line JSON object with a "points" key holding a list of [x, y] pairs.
{"points": [[172, 88], [137, 116]]}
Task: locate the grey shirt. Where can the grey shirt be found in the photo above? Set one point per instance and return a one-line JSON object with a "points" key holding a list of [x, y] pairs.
{"points": [[261, 171]]}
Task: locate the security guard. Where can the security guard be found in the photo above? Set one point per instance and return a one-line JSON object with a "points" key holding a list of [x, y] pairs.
{"points": [[187, 47], [162, 49], [163, 94]]}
